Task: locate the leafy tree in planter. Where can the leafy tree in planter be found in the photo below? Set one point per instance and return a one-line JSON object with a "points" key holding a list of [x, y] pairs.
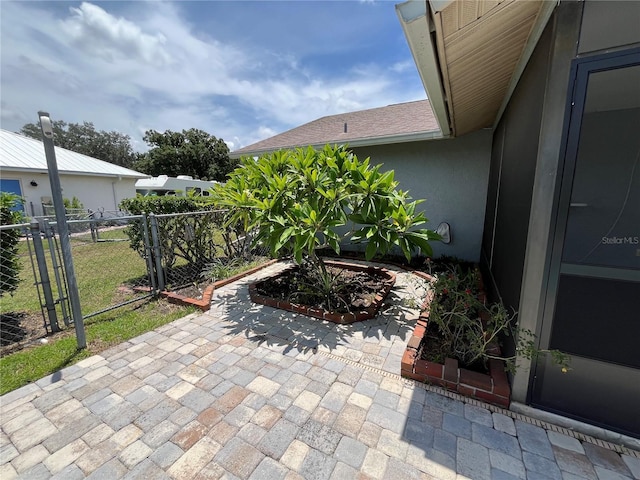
{"points": [[297, 201]]}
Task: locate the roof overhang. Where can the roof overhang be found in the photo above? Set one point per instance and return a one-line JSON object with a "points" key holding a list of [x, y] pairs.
{"points": [[417, 27], [471, 53], [358, 142], [45, 171]]}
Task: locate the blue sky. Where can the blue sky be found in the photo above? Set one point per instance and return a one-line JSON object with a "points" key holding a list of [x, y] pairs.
{"points": [[240, 70]]}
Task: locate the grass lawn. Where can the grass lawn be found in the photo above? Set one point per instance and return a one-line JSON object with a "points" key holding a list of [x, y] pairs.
{"points": [[101, 269], [102, 332]]}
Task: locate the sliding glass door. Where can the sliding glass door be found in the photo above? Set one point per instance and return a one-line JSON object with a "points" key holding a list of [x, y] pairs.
{"points": [[592, 310]]}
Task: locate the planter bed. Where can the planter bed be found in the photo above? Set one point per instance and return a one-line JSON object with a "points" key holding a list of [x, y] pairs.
{"points": [[343, 318], [492, 387], [204, 303]]}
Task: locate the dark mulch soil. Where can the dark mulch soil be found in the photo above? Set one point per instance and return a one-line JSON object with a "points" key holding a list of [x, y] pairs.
{"points": [[194, 291], [357, 290], [18, 329], [444, 264]]}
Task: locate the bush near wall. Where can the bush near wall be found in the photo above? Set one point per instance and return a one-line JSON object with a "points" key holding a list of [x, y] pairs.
{"points": [[190, 237]]}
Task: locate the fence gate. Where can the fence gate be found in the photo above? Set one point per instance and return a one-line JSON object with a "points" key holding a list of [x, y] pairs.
{"points": [[46, 261], [35, 295]]}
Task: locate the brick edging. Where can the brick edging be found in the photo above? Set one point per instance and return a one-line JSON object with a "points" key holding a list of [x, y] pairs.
{"points": [[492, 388], [205, 302], [343, 318]]}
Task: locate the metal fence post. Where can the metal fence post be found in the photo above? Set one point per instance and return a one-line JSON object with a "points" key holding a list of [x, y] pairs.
{"points": [[56, 193], [38, 248], [157, 251], [148, 251]]}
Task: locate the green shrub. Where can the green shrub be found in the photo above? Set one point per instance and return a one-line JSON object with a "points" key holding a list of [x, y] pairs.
{"points": [[190, 237], [74, 203], [9, 260], [297, 201], [468, 329]]}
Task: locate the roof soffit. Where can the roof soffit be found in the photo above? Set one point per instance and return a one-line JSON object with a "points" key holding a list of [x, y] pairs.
{"points": [[480, 44]]}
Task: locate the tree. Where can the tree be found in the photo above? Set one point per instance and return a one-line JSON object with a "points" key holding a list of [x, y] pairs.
{"points": [[190, 152], [297, 201], [113, 147]]}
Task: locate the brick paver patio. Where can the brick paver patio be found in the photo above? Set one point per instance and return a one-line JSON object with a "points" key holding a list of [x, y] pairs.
{"points": [[250, 392]]}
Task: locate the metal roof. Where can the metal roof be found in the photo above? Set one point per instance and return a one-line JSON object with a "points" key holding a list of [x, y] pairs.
{"points": [[20, 153], [402, 122]]}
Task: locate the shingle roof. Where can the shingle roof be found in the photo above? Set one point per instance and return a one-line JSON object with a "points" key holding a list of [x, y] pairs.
{"points": [[397, 123], [18, 152]]}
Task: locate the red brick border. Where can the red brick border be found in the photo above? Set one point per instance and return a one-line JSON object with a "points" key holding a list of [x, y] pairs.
{"points": [[343, 318], [492, 388], [205, 302]]}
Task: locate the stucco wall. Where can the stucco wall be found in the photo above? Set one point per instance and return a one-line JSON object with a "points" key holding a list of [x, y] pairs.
{"points": [[94, 192], [451, 175], [609, 24]]}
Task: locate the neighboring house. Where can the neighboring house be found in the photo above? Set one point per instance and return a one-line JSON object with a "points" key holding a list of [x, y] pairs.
{"points": [[539, 106], [98, 185], [558, 85], [451, 178]]}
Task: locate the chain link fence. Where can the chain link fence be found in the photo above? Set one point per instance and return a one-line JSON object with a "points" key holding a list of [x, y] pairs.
{"points": [[109, 273], [118, 260], [19, 295], [189, 243]]}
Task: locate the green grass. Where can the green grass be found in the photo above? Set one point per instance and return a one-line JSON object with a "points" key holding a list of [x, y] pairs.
{"points": [[101, 268], [102, 332]]}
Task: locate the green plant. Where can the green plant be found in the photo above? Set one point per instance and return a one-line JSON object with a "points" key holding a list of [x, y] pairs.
{"points": [[298, 201], [10, 264], [321, 287], [470, 330], [225, 267], [74, 203], [192, 238]]}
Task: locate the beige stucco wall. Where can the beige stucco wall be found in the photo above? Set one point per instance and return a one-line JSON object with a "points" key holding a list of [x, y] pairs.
{"points": [[94, 192], [451, 175]]}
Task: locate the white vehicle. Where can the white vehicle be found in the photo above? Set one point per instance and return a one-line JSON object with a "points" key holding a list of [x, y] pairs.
{"points": [[179, 186]]}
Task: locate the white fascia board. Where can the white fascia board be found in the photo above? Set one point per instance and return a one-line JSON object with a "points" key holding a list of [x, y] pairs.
{"points": [[358, 142], [414, 19]]}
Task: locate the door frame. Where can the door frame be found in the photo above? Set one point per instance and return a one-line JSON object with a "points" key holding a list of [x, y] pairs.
{"points": [[581, 68]]}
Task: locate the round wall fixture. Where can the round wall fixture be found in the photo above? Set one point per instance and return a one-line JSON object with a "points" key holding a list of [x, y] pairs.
{"points": [[444, 230]]}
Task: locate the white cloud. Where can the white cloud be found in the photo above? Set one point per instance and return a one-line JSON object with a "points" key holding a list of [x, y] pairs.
{"points": [[401, 67], [113, 39], [147, 67]]}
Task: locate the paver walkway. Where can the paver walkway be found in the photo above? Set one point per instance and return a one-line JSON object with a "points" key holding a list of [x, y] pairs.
{"points": [[246, 391]]}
